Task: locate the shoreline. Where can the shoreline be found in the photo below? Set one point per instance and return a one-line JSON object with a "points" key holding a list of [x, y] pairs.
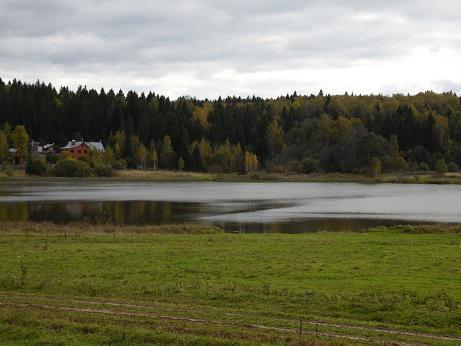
{"points": [[175, 176]]}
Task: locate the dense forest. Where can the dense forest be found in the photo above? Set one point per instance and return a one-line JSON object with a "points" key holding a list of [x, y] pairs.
{"points": [[304, 133]]}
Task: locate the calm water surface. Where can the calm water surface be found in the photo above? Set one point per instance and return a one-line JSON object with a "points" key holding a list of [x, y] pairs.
{"points": [[284, 207]]}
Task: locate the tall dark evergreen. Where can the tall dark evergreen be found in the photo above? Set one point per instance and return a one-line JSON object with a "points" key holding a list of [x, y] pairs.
{"points": [[341, 132]]}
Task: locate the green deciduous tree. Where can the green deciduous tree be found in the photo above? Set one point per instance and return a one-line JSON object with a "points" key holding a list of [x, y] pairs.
{"points": [[153, 159], [20, 140], [181, 164], [375, 167], [109, 155], [3, 147], [441, 166], [274, 135], [167, 156], [142, 155]]}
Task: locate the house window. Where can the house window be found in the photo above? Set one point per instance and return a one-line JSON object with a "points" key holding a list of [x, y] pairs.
{"points": [[71, 150], [86, 151], [79, 151]]}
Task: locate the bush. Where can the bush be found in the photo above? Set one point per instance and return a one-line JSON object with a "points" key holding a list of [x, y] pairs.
{"points": [[292, 166], [308, 165], [131, 163], [387, 164], [423, 166], [215, 169], [72, 168], [440, 166], [35, 165], [452, 167], [52, 158], [119, 164], [412, 166], [6, 168], [280, 169], [64, 155], [86, 159], [400, 164], [102, 170]]}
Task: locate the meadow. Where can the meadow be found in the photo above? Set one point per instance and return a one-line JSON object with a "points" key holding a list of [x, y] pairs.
{"points": [[188, 284]]}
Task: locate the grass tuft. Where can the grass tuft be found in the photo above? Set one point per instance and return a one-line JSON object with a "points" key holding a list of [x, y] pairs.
{"points": [[30, 228]]}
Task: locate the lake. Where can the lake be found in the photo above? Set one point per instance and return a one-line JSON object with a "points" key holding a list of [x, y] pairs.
{"points": [[243, 207]]}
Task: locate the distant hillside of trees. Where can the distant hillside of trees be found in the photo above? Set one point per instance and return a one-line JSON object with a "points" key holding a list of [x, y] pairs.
{"points": [[304, 133]]}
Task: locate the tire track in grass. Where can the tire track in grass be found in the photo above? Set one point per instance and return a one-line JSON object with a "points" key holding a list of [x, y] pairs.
{"points": [[311, 322], [191, 320]]}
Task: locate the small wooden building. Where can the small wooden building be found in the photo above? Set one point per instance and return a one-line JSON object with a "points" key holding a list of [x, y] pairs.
{"points": [[80, 149]]}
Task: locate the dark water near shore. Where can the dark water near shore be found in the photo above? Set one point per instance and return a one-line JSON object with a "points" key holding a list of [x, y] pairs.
{"points": [[244, 207]]}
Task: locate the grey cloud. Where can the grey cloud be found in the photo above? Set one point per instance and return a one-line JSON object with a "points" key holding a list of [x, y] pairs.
{"points": [[449, 85], [141, 40]]}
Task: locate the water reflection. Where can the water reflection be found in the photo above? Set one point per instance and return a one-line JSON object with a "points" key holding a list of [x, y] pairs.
{"points": [[120, 212], [241, 207], [154, 212]]}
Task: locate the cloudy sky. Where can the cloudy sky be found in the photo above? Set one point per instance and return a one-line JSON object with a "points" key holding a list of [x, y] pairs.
{"points": [[207, 48]]}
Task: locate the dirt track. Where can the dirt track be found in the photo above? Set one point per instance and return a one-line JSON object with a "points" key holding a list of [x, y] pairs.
{"points": [[88, 309]]}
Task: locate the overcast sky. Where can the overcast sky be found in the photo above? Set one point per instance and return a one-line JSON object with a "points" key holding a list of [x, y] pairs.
{"points": [[207, 48]]}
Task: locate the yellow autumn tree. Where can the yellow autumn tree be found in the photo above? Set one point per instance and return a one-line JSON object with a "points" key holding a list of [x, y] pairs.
{"points": [[141, 155], [201, 113], [119, 144], [251, 162], [109, 155]]}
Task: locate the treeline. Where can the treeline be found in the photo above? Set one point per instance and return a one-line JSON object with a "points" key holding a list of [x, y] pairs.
{"points": [[304, 133]]}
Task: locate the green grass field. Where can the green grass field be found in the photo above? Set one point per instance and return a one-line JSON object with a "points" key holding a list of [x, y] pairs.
{"points": [[92, 285]]}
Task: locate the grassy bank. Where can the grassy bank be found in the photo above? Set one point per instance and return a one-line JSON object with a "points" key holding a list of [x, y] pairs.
{"points": [[144, 285], [158, 176]]}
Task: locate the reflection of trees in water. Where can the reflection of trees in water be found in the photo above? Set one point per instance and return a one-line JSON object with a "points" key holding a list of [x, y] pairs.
{"points": [[138, 212], [154, 212], [167, 212], [76, 210], [117, 211], [123, 212], [14, 212]]}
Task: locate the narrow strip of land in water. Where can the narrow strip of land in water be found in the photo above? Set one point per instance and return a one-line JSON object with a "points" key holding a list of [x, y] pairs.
{"points": [[161, 175]]}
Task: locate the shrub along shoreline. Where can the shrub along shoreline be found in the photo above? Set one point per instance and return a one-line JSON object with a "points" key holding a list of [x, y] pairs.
{"points": [[68, 167], [107, 173]]}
